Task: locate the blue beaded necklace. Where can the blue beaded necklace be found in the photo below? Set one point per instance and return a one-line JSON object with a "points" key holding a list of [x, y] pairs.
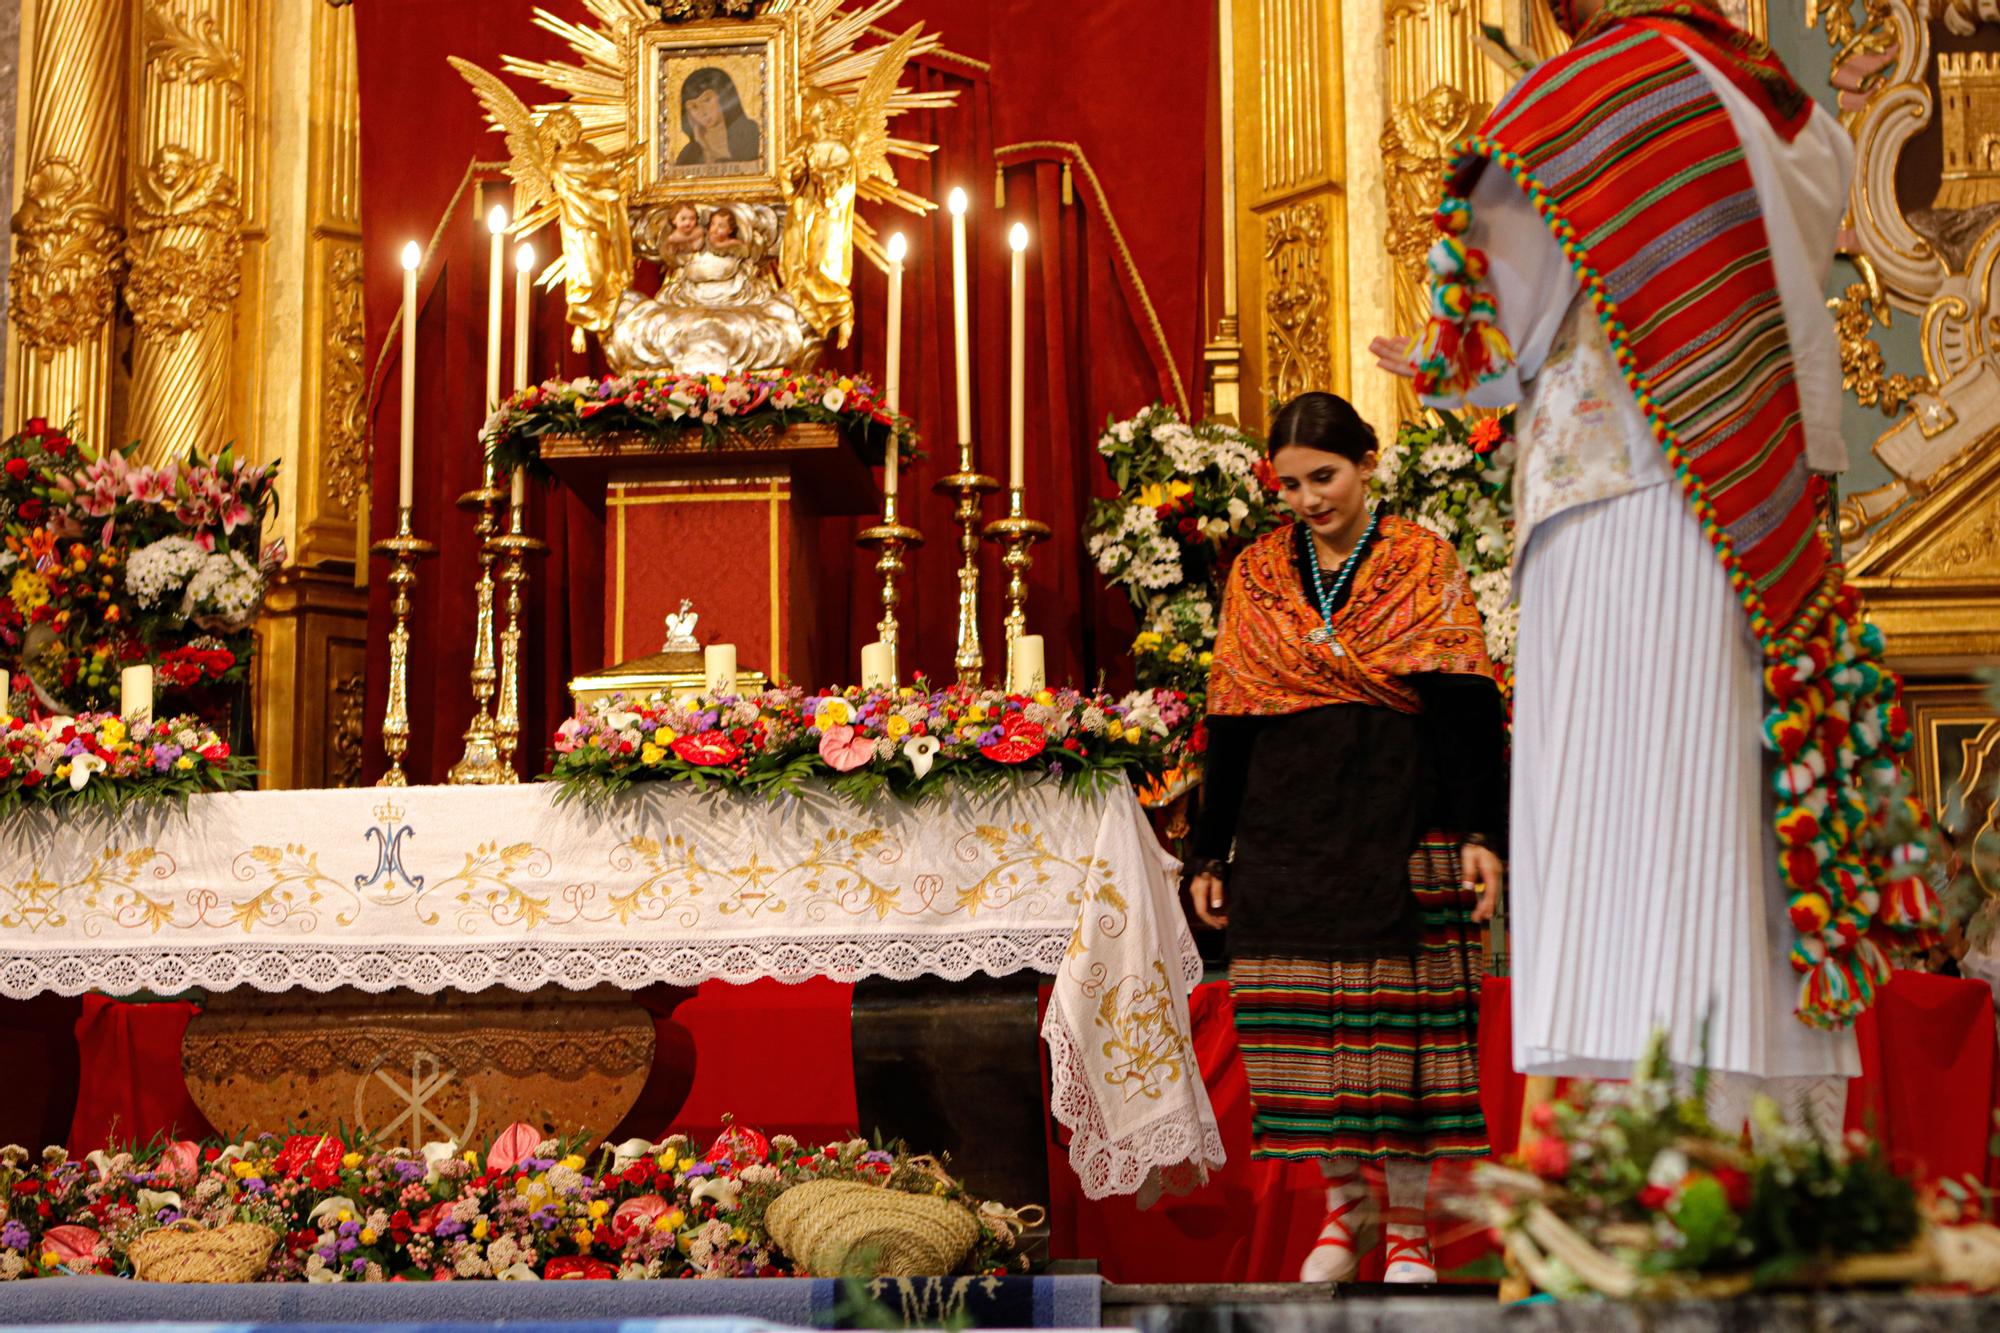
{"points": [[1328, 595]]}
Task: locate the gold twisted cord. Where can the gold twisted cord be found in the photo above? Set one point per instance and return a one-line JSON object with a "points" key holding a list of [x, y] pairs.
{"points": [[1073, 155]]}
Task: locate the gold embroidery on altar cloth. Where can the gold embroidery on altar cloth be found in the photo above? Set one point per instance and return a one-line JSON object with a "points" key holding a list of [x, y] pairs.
{"points": [[1147, 1045]]}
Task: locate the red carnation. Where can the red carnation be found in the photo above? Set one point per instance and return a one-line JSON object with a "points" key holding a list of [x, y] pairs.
{"points": [[31, 510]]}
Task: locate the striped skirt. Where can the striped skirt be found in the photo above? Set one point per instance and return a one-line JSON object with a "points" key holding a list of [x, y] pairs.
{"points": [[1372, 1057]]}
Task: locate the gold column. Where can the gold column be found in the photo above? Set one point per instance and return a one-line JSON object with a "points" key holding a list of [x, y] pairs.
{"points": [[1223, 356], [68, 245], [186, 221]]}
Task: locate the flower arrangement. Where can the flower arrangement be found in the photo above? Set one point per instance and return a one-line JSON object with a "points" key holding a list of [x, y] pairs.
{"points": [[1457, 480], [1189, 498], [1630, 1190], [530, 1208], [663, 408], [910, 741], [97, 759], [107, 563]]}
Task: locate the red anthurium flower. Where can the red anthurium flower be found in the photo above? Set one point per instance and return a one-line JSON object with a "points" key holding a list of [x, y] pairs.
{"points": [[1020, 740], [708, 748], [576, 1267]]}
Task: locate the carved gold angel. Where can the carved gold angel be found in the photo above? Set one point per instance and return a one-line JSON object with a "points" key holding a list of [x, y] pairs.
{"points": [[843, 149], [559, 174]]}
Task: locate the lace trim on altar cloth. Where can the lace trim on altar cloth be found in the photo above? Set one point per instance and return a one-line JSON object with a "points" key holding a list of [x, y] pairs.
{"points": [[1172, 1154], [431, 968]]}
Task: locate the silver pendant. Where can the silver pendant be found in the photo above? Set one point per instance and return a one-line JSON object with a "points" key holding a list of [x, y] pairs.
{"points": [[1321, 634]]}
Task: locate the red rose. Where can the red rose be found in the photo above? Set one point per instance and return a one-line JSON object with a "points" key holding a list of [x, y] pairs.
{"points": [[1655, 1197], [1267, 476], [59, 445], [36, 426], [708, 748], [28, 1186], [1736, 1186], [1020, 740], [31, 778], [577, 1267], [18, 469], [211, 1154], [31, 510]]}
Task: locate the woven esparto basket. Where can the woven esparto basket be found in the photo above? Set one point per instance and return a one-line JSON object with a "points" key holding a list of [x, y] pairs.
{"points": [[841, 1228], [188, 1252]]}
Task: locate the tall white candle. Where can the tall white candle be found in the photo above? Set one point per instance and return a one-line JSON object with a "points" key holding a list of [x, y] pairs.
{"points": [[135, 694], [892, 393], [524, 263], [875, 666], [961, 318], [496, 296], [1029, 673], [406, 474], [1017, 402], [718, 662]]}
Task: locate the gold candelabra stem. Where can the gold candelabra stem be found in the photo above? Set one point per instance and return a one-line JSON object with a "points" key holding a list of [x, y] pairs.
{"points": [[405, 549], [512, 547], [1016, 535], [481, 762], [890, 539], [970, 486]]}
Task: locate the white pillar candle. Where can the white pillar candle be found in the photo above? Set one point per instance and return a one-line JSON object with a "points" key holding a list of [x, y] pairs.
{"points": [[961, 318], [406, 471], [135, 694], [1018, 390], [893, 381], [496, 296], [718, 662], [1029, 673], [875, 666], [524, 264]]}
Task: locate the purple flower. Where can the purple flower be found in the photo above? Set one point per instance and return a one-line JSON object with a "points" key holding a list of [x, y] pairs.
{"points": [[327, 1254], [701, 1169], [878, 1157], [255, 1185], [358, 1265], [14, 1236], [348, 1244], [409, 1172], [450, 1226], [350, 1228]]}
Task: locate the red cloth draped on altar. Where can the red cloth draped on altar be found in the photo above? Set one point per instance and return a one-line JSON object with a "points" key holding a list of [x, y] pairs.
{"points": [[1113, 311], [780, 1058]]}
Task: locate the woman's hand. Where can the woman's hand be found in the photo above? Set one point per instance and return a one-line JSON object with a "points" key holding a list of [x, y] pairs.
{"points": [[1479, 868], [1209, 899], [1393, 355]]}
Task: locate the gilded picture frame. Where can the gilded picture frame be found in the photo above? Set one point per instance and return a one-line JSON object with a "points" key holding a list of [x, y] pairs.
{"points": [[711, 107]]}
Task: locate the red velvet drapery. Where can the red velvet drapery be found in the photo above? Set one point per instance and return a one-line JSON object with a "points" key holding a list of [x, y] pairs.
{"points": [[1113, 319]]}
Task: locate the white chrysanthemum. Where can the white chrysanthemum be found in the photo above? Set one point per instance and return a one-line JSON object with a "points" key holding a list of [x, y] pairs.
{"points": [[154, 572], [227, 586]]}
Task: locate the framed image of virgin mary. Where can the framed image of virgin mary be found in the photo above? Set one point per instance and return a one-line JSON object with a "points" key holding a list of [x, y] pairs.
{"points": [[714, 104]]}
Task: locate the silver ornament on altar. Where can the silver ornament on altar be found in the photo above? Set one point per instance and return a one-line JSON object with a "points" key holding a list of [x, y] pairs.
{"points": [[680, 630], [720, 309]]}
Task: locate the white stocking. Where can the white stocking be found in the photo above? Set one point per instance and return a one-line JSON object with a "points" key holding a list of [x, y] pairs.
{"points": [[1409, 1182], [1343, 1179]]}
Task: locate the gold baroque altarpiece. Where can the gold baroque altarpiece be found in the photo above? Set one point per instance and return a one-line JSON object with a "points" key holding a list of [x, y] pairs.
{"points": [[187, 272]]}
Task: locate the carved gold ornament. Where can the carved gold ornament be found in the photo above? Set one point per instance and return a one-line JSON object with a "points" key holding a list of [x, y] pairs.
{"points": [[187, 244], [1296, 301], [68, 257], [1863, 372], [344, 409], [791, 118]]}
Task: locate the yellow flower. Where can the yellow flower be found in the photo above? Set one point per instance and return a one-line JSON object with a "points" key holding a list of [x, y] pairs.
{"points": [[29, 590], [671, 1220], [665, 1161], [686, 1162], [582, 1238], [739, 1235], [1177, 653], [481, 1229], [716, 384], [242, 1168], [833, 713], [184, 763], [1045, 696], [351, 1161], [573, 1162], [471, 1157], [845, 384], [1207, 659], [111, 731], [346, 1216], [897, 726], [368, 1235], [599, 1207], [651, 754], [1147, 641], [1115, 729], [62, 770], [49, 1259], [665, 736]]}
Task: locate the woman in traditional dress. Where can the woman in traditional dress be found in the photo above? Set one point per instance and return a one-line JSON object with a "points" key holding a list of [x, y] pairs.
{"points": [[1645, 869], [1356, 767]]}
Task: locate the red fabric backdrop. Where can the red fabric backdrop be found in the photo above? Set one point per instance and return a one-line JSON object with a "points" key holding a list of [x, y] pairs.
{"points": [[781, 1058], [1113, 313]]}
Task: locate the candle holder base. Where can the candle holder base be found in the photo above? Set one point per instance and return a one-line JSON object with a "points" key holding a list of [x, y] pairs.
{"points": [[405, 550], [1016, 536], [970, 487], [890, 539], [511, 548], [480, 765]]}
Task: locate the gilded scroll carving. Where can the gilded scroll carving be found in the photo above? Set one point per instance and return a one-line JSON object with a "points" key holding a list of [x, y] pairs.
{"points": [[344, 406], [1863, 371], [1295, 300], [187, 244], [67, 259]]}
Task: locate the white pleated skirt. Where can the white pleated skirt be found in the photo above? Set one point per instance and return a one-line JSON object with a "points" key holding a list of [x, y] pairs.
{"points": [[1646, 891]]}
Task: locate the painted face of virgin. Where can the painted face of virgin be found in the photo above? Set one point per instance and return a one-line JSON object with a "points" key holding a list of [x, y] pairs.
{"points": [[705, 108], [1328, 492]]}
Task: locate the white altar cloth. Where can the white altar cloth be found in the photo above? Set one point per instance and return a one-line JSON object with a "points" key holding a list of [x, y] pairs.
{"points": [[466, 888]]}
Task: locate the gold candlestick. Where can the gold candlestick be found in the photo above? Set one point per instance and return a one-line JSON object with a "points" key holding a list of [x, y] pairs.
{"points": [[481, 762], [511, 547], [970, 486], [890, 539], [1016, 534], [405, 549]]}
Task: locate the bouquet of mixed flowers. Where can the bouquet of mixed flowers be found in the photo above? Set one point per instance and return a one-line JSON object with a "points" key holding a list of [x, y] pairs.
{"points": [[108, 563], [909, 741], [664, 408], [1189, 498], [1629, 1189], [345, 1210], [1457, 480], [96, 759]]}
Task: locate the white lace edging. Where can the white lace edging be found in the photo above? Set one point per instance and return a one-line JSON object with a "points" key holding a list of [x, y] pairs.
{"points": [[1170, 1156], [430, 968]]}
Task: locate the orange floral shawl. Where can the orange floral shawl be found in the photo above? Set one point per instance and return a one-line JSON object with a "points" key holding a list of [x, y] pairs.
{"points": [[1410, 610]]}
